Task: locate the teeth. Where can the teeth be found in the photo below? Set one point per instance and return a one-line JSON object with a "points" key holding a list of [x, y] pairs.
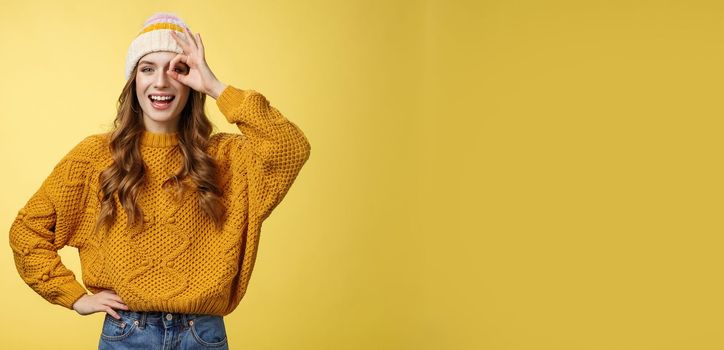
{"points": [[161, 98]]}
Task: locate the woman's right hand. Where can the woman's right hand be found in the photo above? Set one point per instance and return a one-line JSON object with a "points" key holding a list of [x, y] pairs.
{"points": [[104, 300]]}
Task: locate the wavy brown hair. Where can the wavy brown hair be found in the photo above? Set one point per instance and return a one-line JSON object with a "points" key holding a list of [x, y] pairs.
{"points": [[126, 176]]}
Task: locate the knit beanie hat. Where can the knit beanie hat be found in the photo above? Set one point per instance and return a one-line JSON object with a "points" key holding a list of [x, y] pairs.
{"points": [[154, 36]]}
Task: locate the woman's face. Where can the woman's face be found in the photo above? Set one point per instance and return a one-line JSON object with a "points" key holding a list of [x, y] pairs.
{"points": [[160, 114]]}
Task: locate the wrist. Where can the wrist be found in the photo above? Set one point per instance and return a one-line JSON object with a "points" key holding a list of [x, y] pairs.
{"points": [[75, 303], [216, 89]]}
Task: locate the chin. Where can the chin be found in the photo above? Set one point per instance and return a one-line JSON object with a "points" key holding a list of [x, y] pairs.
{"points": [[162, 119]]}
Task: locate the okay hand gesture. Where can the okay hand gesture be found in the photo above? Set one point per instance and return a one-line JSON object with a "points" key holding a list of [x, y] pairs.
{"points": [[199, 76]]}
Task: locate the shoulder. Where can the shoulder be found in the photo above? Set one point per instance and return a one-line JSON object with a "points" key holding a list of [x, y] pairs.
{"points": [[221, 143], [76, 166], [91, 147], [87, 154]]}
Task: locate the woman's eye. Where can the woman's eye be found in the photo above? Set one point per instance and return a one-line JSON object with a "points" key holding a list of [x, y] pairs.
{"points": [[180, 70], [145, 69]]}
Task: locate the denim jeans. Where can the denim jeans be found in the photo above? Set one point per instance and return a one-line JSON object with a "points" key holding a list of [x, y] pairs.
{"points": [[163, 330]]}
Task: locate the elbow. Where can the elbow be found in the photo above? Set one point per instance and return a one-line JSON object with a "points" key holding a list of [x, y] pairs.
{"points": [[294, 148], [305, 149], [300, 148]]}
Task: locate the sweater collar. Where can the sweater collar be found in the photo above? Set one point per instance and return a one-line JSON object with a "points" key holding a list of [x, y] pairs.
{"points": [[151, 139]]}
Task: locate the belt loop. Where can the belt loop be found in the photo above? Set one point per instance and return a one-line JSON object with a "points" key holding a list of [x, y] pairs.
{"points": [[184, 320], [143, 320]]}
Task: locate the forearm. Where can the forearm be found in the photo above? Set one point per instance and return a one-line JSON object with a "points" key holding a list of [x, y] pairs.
{"points": [[272, 149], [33, 240], [271, 135]]}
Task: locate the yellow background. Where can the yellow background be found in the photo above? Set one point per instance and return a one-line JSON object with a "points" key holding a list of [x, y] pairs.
{"points": [[484, 174]]}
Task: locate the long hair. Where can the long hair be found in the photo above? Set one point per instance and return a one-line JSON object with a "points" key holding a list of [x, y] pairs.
{"points": [[126, 176]]}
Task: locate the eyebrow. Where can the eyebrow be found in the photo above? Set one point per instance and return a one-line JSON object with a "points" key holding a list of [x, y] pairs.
{"points": [[153, 64], [147, 62]]}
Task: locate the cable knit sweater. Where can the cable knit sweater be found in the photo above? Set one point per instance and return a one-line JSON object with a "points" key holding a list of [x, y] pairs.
{"points": [[177, 260]]}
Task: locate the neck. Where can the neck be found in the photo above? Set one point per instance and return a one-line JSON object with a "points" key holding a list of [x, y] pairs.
{"points": [[160, 127]]}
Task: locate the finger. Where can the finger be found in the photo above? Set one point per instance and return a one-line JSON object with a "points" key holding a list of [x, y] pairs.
{"points": [[179, 37], [179, 58], [191, 38], [179, 61], [172, 65], [178, 77], [112, 299], [118, 305], [113, 313], [201, 43], [174, 75], [116, 298]]}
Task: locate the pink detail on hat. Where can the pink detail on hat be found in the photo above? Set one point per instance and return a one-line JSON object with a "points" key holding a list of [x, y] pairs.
{"points": [[163, 17]]}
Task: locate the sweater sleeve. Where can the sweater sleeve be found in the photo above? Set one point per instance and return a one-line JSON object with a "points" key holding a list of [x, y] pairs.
{"points": [[46, 223], [272, 149]]}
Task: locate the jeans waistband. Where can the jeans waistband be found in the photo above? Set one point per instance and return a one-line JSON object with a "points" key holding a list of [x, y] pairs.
{"points": [[166, 319]]}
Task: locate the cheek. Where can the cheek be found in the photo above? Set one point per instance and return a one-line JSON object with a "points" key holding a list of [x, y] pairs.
{"points": [[184, 100], [140, 92]]}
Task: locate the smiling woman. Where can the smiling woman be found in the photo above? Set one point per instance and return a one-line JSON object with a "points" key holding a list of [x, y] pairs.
{"points": [[162, 97], [166, 216]]}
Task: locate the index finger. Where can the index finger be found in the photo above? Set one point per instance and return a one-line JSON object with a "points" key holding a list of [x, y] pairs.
{"points": [[113, 313], [178, 58], [116, 297], [191, 37], [182, 42]]}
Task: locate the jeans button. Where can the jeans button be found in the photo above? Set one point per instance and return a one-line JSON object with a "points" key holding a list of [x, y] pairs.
{"points": [[169, 317]]}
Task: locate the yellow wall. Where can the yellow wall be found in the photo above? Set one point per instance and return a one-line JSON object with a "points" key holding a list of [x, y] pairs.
{"points": [[484, 174]]}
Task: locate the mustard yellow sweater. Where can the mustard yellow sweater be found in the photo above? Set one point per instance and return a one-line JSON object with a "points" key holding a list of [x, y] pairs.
{"points": [[178, 261]]}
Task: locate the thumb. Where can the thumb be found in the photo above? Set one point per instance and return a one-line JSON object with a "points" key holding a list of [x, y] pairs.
{"points": [[179, 77]]}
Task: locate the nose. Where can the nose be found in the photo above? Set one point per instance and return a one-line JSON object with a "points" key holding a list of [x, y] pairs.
{"points": [[161, 79]]}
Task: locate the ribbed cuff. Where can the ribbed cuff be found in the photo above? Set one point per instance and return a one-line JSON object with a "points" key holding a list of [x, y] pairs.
{"points": [[230, 99], [69, 293]]}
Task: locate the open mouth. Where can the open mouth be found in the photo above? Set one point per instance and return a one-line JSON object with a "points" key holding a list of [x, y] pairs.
{"points": [[161, 101]]}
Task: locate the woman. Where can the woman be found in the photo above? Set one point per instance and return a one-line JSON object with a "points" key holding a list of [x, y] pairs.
{"points": [[166, 217]]}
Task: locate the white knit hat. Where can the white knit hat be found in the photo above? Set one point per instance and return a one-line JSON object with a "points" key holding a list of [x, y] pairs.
{"points": [[155, 36]]}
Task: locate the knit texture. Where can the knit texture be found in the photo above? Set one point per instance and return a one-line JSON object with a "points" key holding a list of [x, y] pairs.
{"points": [[177, 261]]}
